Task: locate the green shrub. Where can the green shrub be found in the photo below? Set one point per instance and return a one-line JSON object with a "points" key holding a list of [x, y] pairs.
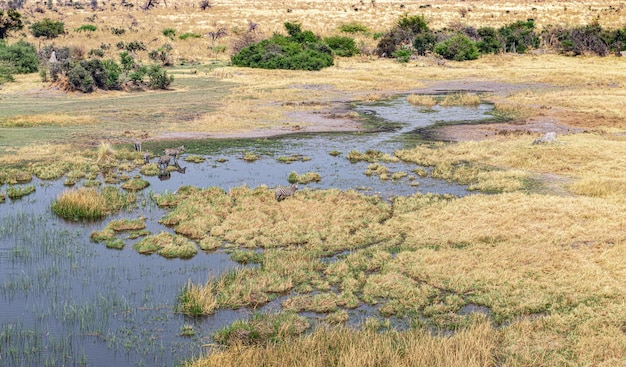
{"points": [[342, 46], [80, 79], [415, 24], [22, 56], [158, 78], [169, 33], [403, 55], [519, 36], [97, 71], [424, 42], [6, 72], [86, 28], [489, 41], [47, 28], [300, 51], [459, 47], [113, 72], [186, 35], [96, 52], [353, 27]]}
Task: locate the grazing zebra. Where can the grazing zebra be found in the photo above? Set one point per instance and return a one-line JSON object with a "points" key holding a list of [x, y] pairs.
{"points": [[164, 161], [137, 145], [174, 152], [284, 192]]}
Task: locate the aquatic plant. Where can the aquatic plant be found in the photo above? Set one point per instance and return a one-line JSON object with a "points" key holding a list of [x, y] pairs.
{"points": [[261, 329], [135, 184], [15, 192], [167, 245], [194, 300], [89, 203]]}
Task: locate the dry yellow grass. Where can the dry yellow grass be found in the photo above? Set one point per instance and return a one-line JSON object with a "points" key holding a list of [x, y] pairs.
{"points": [[47, 120], [344, 347]]}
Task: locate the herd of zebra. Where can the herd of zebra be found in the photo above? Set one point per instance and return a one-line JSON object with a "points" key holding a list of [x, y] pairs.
{"points": [[166, 160]]}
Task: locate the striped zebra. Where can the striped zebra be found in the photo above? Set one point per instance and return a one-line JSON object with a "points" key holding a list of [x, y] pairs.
{"points": [[284, 192], [164, 161], [137, 145], [175, 152], [146, 158]]}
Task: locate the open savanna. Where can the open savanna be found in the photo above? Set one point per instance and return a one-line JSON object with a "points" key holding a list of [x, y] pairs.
{"points": [[541, 257]]}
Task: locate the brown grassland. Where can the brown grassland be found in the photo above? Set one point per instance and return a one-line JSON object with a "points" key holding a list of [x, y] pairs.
{"points": [[543, 255]]}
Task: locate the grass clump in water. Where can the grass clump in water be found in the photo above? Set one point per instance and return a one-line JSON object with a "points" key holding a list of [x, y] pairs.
{"points": [[14, 176], [306, 178], [135, 184], [15, 192], [262, 328], [167, 245], [195, 158], [150, 169], [89, 203], [195, 300]]}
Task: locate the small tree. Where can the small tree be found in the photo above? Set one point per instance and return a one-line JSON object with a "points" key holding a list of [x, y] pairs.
{"points": [[47, 28], [11, 20]]}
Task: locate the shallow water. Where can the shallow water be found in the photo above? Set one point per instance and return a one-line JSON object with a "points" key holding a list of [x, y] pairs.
{"points": [[69, 301]]}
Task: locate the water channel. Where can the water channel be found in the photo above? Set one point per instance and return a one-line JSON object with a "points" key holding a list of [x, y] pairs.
{"points": [[66, 301]]}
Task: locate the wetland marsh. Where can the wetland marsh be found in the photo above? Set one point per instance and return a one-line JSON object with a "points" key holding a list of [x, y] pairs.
{"points": [[67, 300]]}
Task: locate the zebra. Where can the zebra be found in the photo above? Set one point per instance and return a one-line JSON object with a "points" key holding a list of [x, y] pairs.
{"points": [[137, 145], [164, 161], [146, 158], [284, 192], [174, 152]]}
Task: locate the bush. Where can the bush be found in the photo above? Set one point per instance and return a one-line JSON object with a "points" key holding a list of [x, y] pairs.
{"points": [[403, 55], [424, 42], [169, 33], [86, 28], [22, 56], [405, 32], [118, 31], [186, 35], [80, 79], [353, 27], [489, 42], [6, 72], [47, 28], [519, 36], [459, 47], [342, 46], [97, 52], [113, 72], [11, 21], [98, 73], [158, 78], [300, 51]]}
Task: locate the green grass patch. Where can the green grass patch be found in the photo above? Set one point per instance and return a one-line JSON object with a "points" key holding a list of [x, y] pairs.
{"points": [[261, 329], [135, 184], [167, 245], [15, 192]]}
